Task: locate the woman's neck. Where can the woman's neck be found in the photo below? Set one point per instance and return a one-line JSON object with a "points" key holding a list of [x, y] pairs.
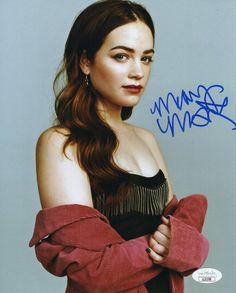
{"points": [[111, 114]]}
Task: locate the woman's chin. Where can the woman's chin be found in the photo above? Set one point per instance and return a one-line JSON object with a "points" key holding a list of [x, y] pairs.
{"points": [[132, 102]]}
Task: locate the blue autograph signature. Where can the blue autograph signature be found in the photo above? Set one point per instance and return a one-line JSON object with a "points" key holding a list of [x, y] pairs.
{"points": [[205, 100]]}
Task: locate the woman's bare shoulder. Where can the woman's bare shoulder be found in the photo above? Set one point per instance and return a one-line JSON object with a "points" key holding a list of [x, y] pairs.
{"points": [[50, 138], [61, 180]]}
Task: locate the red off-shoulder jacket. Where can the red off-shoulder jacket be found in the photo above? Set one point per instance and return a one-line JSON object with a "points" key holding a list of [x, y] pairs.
{"points": [[79, 242]]}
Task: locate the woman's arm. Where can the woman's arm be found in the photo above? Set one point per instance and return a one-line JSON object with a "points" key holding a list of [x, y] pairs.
{"points": [[60, 179], [187, 248], [114, 266]]}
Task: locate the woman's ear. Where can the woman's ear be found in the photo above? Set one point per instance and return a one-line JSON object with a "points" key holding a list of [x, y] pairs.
{"points": [[84, 63]]}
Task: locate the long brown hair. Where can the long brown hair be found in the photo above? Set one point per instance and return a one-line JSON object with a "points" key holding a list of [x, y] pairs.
{"points": [[75, 103]]}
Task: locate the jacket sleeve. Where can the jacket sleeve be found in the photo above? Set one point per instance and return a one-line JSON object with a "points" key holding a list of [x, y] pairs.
{"points": [[111, 265], [188, 247]]}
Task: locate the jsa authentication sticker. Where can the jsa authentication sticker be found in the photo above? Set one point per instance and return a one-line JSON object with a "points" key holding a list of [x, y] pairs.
{"points": [[207, 275]]}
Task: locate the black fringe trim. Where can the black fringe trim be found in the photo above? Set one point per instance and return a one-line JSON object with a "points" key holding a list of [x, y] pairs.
{"points": [[141, 199]]}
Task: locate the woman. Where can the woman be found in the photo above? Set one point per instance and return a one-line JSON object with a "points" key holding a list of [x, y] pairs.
{"points": [[93, 164]]}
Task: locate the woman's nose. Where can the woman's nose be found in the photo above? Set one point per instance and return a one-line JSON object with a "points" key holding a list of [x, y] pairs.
{"points": [[136, 70]]}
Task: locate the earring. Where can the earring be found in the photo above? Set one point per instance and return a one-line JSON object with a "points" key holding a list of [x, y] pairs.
{"points": [[86, 80]]}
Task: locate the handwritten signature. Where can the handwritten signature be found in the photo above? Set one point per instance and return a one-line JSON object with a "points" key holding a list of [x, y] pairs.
{"points": [[208, 101]]}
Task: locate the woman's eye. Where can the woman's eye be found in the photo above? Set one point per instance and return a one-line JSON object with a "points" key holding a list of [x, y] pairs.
{"points": [[147, 59], [121, 57]]}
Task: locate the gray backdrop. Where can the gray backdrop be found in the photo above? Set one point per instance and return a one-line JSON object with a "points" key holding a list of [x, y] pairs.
{"points": [[195, 46]]}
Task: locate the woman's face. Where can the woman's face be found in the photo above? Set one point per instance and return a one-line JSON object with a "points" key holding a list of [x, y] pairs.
{"points": [[121, 66]]}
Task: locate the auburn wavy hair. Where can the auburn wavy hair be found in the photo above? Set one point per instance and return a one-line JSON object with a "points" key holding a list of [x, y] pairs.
{"points": [[75, 103]]}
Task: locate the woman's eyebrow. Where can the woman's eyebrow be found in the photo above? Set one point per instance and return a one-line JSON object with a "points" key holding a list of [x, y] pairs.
{"points": [[132, 50]]}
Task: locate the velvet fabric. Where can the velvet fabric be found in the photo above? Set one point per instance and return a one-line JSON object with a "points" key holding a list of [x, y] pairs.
{"points": [[78, 241]]}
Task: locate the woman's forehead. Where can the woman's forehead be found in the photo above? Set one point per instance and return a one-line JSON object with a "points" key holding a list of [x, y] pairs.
{"points": [[135, 35]]}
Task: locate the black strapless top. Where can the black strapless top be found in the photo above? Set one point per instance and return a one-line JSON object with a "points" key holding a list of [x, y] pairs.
{"points": [[139, 213]]}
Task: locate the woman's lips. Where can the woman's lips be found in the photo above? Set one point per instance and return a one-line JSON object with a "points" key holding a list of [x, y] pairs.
{"points": [[133, 88]]}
